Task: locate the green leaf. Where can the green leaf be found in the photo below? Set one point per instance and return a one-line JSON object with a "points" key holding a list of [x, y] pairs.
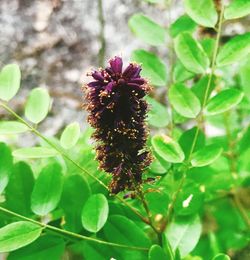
{"points": [[19, 189], [45, 247], [184, 101], [156, 253], [47, 190], [35, 152], [157, 115], [153, 68], [206, 155], [189, 201], [95, 213], [37, 106], [184, 234], [17, 235], [12, 127], [147, 30], [202, 12], [187, 138], [234, 51], [244, 75], [75, 193], [167, 149], [6, 165], [237, 9], [199, 88], [181, 73], [70, 135], [221, 257], [183, 24], [191, 53], [10, 78], [120, 229], [224, 101]]}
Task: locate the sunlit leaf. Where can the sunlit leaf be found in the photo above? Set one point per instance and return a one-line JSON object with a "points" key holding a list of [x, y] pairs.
{"points": [[184, 101], [206, 155], [37, 106], [157, 115], [12, 127], [147, 30], [17, 235], [235, 50], [35, 152], [153, 68], [184, 234], [10, 78], [156, 253], [95, 213], [183, 24], [167, 149], [237, 9], [221, 257], [70, 135], [202, 12], [224, 101], [190, 53]]}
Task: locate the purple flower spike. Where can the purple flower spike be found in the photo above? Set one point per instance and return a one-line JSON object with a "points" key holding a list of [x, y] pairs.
{"points": [[118, 111]]}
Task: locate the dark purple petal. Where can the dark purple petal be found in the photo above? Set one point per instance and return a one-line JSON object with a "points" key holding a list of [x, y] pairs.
{"points": [[97, 76], [116, 64]]}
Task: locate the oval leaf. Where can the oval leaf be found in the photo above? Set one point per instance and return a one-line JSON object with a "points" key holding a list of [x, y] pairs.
{"points": [[234, 51], [37, 106], [35, 152], [156, 253], [184, 234], [206, 155], [17, 235], [183, 24], [147, 30], [202, 12], [12, 127], [237, 9], [224, 101], [157, 115], [10, 78], [191, 53], [70, 135], [184, 101], [154, 68], [167, 149], [95, 212], [6, 165], [47, 190]]}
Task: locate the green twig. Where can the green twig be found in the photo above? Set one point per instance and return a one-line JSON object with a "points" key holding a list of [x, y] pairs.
{"points": [[70, 234], [102, 50], [206, 96], [67, 157]]}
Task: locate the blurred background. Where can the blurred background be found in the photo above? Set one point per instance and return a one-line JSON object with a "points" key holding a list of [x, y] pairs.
{"points": [[56, 42]]}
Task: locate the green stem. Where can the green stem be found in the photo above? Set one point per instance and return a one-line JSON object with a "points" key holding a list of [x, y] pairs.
{"points": [[206, 96], [68, 233], [64, 155], [102, 50]]}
